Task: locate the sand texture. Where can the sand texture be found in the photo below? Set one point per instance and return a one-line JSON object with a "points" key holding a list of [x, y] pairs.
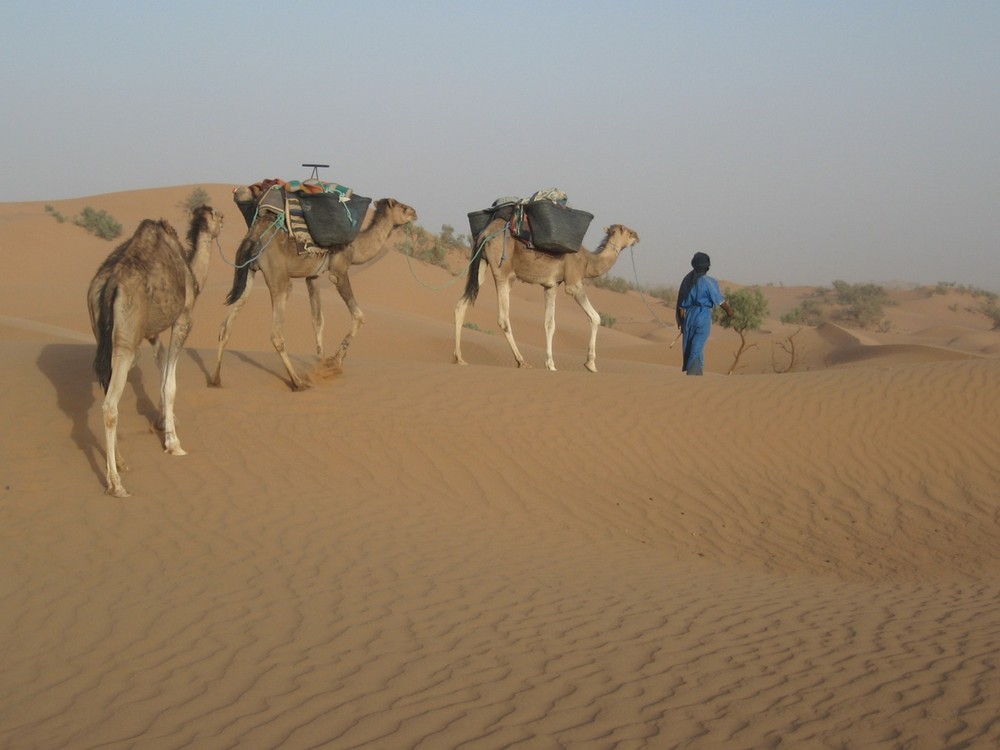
{"points": [[415, 554]]}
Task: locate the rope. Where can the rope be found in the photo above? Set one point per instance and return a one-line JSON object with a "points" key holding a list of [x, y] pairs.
{"points": [[475, 258], [277, 226], [641, 295]]}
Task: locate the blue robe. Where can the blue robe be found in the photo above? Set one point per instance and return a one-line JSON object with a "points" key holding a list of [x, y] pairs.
{"points": [[697, 303]]}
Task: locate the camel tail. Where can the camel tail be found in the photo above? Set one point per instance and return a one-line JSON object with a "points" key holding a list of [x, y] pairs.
{"points": [[243, 255], [472, 280], [105, 334]]}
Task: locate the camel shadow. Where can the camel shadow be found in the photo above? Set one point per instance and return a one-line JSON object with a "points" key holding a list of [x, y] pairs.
{"points": [[199, 360], [69, 368]]}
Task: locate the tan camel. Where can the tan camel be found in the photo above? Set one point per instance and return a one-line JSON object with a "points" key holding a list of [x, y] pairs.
{"points": [[276, 255], [509, 258], [148, 284]]}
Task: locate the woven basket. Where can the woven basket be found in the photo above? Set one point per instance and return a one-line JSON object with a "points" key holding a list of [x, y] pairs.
{"points": [[479, 220], [330, 221], [555, 228]]}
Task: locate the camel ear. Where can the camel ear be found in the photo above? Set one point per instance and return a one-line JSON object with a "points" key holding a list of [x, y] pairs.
{"points": [[391, 202]]}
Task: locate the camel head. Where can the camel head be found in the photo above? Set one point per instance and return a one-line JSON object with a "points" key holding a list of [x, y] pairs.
{"points": [[398, 213], [205, 219], [623, 236]]}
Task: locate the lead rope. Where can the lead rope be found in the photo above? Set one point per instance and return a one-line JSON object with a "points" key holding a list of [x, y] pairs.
{"points": [[475, 257], [639, 287]]}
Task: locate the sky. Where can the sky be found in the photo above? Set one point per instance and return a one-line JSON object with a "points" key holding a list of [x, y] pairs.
{"points": [[794, 142]]}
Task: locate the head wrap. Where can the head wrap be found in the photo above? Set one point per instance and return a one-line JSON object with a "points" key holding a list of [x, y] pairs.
{"points": [[701, 262]]}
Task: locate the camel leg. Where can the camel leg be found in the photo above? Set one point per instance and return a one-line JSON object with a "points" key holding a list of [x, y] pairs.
{"points": [[315, 307], [168, 386], [550, 325], [460, 309], [503, 319], [279, 295], [595, 322], [226, 328], [121, 363], [357, 318]]}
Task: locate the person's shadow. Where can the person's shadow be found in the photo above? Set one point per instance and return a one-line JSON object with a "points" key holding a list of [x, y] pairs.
{"points": [[69, 368]]}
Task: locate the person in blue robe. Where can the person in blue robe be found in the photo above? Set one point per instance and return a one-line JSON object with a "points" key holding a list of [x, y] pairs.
{"points": [[698, 294]]}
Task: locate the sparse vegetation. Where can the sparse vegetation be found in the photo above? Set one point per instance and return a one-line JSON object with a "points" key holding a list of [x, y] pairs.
{"points": [[608, 320], [749, 307], [195, 199], [434, 249], [55, 214], [667, 294], [858, 304], [475, 327], [99, 223], [991, 310]]}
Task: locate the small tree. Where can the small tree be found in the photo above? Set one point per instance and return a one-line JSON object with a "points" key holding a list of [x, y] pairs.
{"points": [[788, 346], [749, 306]]}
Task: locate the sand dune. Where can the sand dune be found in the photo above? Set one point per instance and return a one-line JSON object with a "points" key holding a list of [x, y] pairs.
{"points": [[414, 554]]}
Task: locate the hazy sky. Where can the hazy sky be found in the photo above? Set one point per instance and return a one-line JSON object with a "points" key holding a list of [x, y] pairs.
{"points": [[795, 142]]}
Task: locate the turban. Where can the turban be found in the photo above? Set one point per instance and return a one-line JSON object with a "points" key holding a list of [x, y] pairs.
{"points": [[701, 262]]}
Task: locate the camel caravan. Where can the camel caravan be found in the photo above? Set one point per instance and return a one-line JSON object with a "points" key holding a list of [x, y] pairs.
{"points": [[305, 230]]}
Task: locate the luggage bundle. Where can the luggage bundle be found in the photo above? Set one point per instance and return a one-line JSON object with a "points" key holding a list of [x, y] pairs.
{"points": [[322, 214], [543, 221]]}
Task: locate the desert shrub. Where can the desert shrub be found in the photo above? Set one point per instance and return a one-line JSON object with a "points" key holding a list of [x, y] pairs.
{"points": [[749, 306], [475, 327], [861, 303], [434, 249], [992, 311], [55, 214], [100, 223], [612, 283], [810, 313], [667, 294], [448, 238], [195, 199], [608, 320]]}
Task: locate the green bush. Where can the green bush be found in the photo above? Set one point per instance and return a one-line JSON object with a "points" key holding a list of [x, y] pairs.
{"points": [[100, 223], [608, 320]]}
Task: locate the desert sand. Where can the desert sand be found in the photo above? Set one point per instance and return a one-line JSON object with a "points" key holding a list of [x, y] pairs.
{"points": [[414, 554]]}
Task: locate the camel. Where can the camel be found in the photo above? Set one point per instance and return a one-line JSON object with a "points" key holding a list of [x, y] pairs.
{"points": [[508, 258], [148, 284], [275, 254]]}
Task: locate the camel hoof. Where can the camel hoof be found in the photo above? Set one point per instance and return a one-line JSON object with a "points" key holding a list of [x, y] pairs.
{"points": [[460, 361], [215, 382], [175, 450], [117, 492], [590, 366]]}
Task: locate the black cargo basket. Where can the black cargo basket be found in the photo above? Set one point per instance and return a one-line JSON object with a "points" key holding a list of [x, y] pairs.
{"points": [[330, 221], [479, 220], [555, 228]]}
